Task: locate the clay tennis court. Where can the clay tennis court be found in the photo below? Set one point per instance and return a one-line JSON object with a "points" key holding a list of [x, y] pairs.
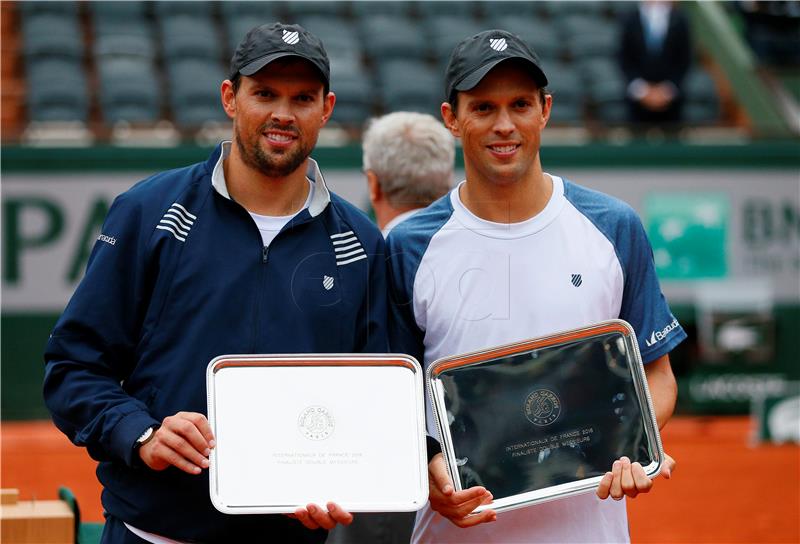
{"points": [[723, 491]]}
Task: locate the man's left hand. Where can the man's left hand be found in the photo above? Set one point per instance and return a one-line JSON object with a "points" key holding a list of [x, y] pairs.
{"points": [[314, 517], [628, 479]]}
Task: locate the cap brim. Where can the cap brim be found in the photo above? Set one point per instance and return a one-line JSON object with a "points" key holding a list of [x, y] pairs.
{"points": [[258, 64], [475, 77]]}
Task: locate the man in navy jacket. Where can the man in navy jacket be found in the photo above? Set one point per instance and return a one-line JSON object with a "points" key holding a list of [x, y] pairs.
{"points": [[247, 252]]}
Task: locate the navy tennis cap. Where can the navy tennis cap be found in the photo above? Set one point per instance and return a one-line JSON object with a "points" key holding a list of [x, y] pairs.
{"points": [[267, 43], [474, 57]]}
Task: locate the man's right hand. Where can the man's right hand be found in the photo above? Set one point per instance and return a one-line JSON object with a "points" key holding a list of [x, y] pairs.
{"points": [[456, 505], [183, 440]]}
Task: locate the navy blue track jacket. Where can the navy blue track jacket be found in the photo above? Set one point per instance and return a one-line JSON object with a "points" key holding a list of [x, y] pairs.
{"points": [[177, 277]]}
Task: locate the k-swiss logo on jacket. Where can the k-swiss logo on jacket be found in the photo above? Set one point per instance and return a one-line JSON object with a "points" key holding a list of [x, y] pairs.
{"points": [[577, 280], [347, 247], [177, 221]]}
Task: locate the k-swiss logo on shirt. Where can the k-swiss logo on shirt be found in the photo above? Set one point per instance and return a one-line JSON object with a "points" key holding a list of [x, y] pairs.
{"points": [[576, 280], [347, 247], [177, 221], [291, 37], [327, 282], [498, 44]]}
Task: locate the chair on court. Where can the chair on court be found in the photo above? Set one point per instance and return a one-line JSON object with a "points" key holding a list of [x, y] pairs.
{"points": [[387, 37], [194, 92], [85, 532], [391, 8], [354, 98], [438, 8], [169, 8], [568, 96], [189, 36], [410, 85], [445, 31], [294, 10], [702, 106], [338, 34], [589, 36], [57, 91], [545, 40], [129, 90], [49, 35]]}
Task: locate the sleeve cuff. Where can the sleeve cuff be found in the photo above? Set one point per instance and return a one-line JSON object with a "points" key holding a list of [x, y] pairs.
{"points": [[433, 447], [653, 354], [127, 431]]}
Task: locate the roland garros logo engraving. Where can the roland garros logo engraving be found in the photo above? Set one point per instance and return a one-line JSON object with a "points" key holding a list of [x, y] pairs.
{"points": [[542, 407], [316, 423]]}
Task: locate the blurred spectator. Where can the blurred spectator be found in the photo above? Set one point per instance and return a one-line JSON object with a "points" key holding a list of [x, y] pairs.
{"points": [[773, 31], [408, 161], [655, 54]]}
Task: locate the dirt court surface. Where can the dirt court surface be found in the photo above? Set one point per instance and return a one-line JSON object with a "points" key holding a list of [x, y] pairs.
{"points": [[723, 491]]}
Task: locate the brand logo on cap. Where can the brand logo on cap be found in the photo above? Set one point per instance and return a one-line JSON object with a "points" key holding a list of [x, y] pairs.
{"points": [[498, 44], [291, 37]]}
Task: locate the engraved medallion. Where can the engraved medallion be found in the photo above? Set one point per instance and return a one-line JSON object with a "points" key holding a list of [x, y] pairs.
{"points": [[542, 407], [316, 423]]}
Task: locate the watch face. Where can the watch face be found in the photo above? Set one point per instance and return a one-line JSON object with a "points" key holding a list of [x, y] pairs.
{"points": [[145, 435]]}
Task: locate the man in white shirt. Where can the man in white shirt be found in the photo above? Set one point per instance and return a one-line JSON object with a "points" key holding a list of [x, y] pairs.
{"points": [[494, 262]]}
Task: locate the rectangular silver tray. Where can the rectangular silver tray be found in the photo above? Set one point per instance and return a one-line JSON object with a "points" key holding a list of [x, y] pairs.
{"points": [[544, 419], [298, 429]]}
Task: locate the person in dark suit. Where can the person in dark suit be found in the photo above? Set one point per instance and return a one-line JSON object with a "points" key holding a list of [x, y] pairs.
{"points": [[655, 54]]}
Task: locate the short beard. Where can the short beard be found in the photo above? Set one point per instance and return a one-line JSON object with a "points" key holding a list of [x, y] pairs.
{"points": [[255, 158]]}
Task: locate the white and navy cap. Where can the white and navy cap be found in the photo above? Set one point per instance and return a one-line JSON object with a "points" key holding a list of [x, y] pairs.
{"points": [[267, 43], [474, 57]]}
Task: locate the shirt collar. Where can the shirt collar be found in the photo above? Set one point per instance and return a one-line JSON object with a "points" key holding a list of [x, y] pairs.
{"points": [[397, 220], [510, 230], [319, 200]]}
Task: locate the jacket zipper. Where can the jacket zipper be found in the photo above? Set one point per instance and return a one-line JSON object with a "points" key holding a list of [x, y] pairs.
{"points": [[262, 275], [257, 327]]}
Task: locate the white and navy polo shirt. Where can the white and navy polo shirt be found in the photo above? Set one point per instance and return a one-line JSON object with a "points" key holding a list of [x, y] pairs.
{"points": [[460, 283]]}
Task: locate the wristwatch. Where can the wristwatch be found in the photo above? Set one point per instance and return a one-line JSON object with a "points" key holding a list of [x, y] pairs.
{"points": [[145, 437]]}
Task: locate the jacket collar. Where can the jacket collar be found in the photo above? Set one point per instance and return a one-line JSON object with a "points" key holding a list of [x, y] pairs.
{"points": [[319, 200]]}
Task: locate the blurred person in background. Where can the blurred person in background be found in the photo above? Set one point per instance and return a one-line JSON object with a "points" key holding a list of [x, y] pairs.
{"points": [[198, 262], [408, 160], [495, 262], [655, 53]]}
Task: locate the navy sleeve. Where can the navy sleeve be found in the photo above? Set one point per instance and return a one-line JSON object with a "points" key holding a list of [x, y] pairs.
{"points": [[92, 349], [404, 334], [643, 303], [372, 337]]}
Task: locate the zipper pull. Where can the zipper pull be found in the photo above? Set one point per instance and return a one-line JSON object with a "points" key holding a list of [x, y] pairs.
{"points": [[264, 254]]}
